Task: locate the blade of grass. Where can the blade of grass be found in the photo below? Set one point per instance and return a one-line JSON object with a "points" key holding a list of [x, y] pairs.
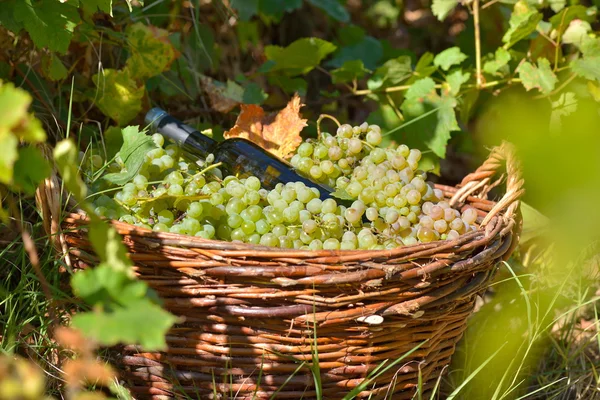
{"points": [[474, 373]]}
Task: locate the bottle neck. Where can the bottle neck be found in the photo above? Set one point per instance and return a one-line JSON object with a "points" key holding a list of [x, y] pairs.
{"points": [[184, 135]]}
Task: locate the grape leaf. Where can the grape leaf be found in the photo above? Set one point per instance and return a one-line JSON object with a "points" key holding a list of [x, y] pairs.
{"points": [[223, 97], [119, 96], [276, 8], [350, 71], [14, 103], [7, 18], [587, 67], [300, 57], [50, 23], [562, 20], [278, 133], [333, 8], [420, 89], [502, 57], [441, 8], [392, 72], [433, 115], [254, 94], [563, 107], [523, 21], [53, 68], [455, 80], [368, 50], [246, 9], [448, 58], [91, 6], [140, 322], [541, 77], [133, 153], [577, 32], [30, 169], [151, 50], [289, 85]]}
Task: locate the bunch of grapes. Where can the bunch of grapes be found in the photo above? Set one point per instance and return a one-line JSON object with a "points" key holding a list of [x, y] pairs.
{"points": [[393, 204], [331, 158]]}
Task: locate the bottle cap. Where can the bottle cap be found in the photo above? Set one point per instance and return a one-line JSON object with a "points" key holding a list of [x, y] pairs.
{"points": [[154, 116]]}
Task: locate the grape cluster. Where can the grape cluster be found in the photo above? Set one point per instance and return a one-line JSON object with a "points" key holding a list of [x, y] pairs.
{"points": [[330, 159], [392, 206]]}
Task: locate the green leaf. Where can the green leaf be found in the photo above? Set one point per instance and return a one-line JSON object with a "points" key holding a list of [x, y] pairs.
{"points": [[201, 50], [350, 71], [136, 145], [53, 68], [247, 33], [501, 59], [65, 157], [368, 50], [541, 77], [289, 85], [50, 23], [342, 195], [14, 103], [456, 79], [8, 156], [523, 22], [91, 6], [246, 9], [563, 19], [107, 286], [392, 72], [333, 8], [557, 5], [563, 107], [420, 89], [433, 116], [587, 67], [107, 243], [449, 57], [7, 18], [30, 169], [151, 50], [441, 8], [119, 96], [300, 57], [277, 8], [253, 94], [113, 139], [141, 322], [577, 32]]}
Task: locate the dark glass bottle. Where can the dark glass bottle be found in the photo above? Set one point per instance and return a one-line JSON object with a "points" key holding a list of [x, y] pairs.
{"points": [[238, 156]]}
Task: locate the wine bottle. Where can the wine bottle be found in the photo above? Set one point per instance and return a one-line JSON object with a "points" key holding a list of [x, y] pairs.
{"points": [[238, 156]]}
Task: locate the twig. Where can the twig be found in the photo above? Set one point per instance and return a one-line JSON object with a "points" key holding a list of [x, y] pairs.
{"points": [[321, 117], [477, 42], [390, 89]]}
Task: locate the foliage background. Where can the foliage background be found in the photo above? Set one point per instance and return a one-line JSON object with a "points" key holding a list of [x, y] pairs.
{"points": [[451, 78]]}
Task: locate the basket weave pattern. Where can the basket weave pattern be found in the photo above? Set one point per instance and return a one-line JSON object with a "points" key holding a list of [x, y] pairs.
{"points": [[254, 317]]}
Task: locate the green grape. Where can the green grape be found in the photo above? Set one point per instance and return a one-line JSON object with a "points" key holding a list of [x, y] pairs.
{"points": [[452, 235], [285, 242], [237, 190], [129, 188], [174, 178], [413, 197], [160, 227], [346, 245], [166, 217], [210, 230], [195, 209], [305, 164], [248, 227], [352, 215], [255, 213], [372, 214], [436, 212], [291, 215], [253, 238], [223, 232], [304, 194], [427, 222], [374, 136], [328, 206], [457, 225], [192, 188], [316, 172], [167, 161], [354, 189], [251, 197], [450, 214], [140, 181], [279, 230], [344, 131], [316, 244], [234, 221], [288, 194], [268, 239], [305, 237], [273, 215], [309, 226], [425, 235], [190, 225], [305, 149], [216, 199], [262, 226], [354, 146], [321, 151], [367, 240], [175, 190], [314, 206], [469, 216], [293, 232], [238, 234], [440, 225], [331, 244], [391, 216], [234, 206], [335, 153]]}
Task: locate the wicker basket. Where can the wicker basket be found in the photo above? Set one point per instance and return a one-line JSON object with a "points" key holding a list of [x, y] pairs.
{"points": [[254, 317]]}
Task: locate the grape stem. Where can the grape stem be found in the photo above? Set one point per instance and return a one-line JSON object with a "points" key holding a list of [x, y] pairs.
{"points": [[321, 117], [205, 170]]}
